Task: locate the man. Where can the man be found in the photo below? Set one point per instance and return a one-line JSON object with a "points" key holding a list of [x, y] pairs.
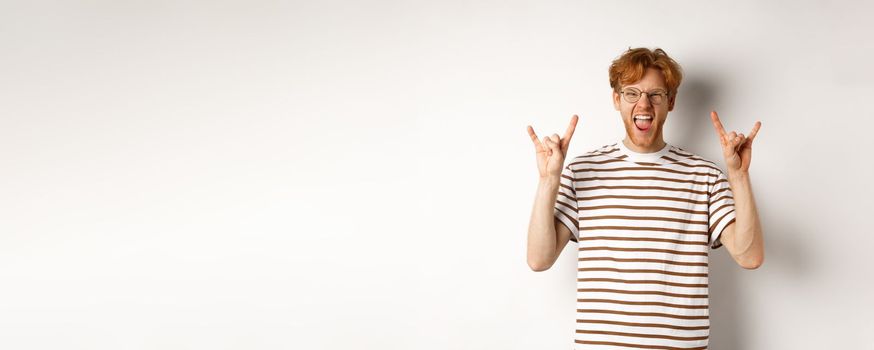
{"points": [[644, 214]]}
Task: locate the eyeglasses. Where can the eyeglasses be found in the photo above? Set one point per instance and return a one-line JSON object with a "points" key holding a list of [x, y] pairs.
{"points": [[655, 97]]}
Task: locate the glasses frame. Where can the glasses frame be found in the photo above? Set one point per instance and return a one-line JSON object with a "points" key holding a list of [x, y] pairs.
{"points": [[665, 96]]}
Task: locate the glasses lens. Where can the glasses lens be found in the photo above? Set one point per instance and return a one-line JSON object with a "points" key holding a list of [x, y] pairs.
{"points": [[632, 95]]}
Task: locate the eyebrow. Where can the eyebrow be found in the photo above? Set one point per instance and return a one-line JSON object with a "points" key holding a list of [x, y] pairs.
{"points": [[637, 88]]}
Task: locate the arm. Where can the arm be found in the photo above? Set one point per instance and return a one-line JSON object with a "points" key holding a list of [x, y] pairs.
{"points": [[547, 236], [743, 238]]}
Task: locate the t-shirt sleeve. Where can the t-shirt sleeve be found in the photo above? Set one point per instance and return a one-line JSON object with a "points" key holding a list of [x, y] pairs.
{"points": [[721, 208], [566, 203]]}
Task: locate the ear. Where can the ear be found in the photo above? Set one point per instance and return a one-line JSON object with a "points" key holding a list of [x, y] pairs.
{"points": [[616, 100], [671, 102]]}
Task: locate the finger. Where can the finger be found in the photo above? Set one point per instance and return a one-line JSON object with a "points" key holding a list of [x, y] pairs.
{"points": [[730, 138], [555, 141], [566, 140], [546, 148], [735, 139], [553, 146], [755, 131], [717, 125], [534, 138]]}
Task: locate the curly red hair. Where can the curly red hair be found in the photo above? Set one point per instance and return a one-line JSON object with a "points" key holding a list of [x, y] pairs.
{"points": [[632, 65]]}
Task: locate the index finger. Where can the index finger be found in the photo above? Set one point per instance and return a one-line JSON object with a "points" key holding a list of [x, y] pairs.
{"points": [[718, 125], [566, 140], [534, 137]]}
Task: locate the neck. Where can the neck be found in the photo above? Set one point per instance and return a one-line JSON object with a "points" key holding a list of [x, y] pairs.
{"points": [[657, 146]]}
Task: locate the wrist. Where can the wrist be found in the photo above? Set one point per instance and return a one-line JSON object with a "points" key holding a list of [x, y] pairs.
{"points": [[738, 175], [549, 181]]}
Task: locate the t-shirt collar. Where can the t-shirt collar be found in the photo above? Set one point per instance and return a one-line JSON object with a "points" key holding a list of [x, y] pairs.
{"points": [[654, 157]]}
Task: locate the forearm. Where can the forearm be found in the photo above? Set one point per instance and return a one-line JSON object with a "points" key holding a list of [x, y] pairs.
{"points": [[747, 238], [541, 228]]}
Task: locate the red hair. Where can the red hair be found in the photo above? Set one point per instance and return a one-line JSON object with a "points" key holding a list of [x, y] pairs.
{"points": [[632, 65]]}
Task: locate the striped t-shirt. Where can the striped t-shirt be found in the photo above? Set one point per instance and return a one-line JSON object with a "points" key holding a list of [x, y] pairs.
{"points": [[644, 224]]}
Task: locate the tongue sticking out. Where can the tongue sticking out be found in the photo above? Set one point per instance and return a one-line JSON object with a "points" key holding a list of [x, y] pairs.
{"points": [[643, 124]]}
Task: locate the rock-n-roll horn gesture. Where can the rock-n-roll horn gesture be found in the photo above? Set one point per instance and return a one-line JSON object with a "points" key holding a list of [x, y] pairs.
{"points": [[736, 148], [552, 150]]}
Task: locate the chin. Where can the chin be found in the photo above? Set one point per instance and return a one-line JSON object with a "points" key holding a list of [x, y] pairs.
{"points": [[631, 134]]}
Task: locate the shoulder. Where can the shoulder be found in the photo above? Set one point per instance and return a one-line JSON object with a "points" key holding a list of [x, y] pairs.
{"points": [[691, 159], [600, 152]]}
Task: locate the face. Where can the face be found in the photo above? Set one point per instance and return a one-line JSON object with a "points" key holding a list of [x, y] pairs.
{"points": [[642, 136]]}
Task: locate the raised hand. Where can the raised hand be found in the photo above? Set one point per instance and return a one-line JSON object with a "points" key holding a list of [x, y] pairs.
{"points": [[736, 148], [552, 151]]}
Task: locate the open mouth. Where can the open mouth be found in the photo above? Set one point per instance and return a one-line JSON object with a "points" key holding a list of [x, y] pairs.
{"points": [[643, 121]]}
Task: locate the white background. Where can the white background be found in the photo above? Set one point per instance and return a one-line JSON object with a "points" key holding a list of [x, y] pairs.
{"points": [[356, 175]]}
